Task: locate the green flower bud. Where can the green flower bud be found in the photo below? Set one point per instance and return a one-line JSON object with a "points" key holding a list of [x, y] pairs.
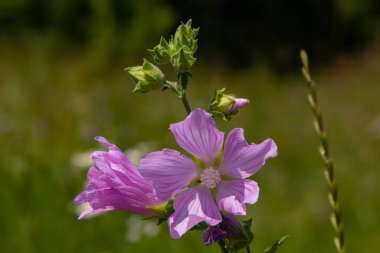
{"points": [[146, 77], [180, 49], [225, 105], [183, 60], [185, 36], [161, 53]]}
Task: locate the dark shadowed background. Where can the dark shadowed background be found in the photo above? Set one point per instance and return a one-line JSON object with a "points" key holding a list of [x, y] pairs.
{"points": [[62, 83]]}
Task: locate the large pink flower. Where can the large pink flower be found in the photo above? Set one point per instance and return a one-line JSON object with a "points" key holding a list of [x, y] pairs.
{"points": [[172, 172], [115, 184]]}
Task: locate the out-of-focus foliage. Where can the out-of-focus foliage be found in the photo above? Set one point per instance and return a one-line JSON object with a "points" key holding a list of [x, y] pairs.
{"points": [[52, 107], [252, 31], [105, 29]]}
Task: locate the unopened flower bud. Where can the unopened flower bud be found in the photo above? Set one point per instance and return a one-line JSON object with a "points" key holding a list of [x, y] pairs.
{"points": [[183, 60], [185, 36], [162, 52], [225, 105], [146, 77], [180, 49]]}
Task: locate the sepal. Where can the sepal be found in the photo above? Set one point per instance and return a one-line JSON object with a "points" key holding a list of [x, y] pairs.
{"points": [[163, 211]]}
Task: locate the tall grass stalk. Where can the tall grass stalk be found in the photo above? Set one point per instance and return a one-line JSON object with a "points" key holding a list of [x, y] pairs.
{"points": [[336, 216]]}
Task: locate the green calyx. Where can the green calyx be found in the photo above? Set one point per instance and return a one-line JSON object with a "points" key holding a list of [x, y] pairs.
{"points": [[146, 77], [237, 241], [180, 49], [163, 211], [221, 104]]}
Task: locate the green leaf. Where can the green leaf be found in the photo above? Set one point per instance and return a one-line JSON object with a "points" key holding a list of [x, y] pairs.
{"points": [[275, 246]]}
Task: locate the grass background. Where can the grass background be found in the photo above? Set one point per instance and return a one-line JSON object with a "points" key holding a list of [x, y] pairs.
{"points": [[54, 100]]}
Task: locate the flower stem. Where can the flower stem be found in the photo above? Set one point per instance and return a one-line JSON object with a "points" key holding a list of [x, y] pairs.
{"points": [[183, 78], [336, 216], [248, 249], [223, 246], [186, 103]]}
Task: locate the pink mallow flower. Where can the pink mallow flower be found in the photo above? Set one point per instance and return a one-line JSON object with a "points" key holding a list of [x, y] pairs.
{"points": [[115, 184], [174, 174]]}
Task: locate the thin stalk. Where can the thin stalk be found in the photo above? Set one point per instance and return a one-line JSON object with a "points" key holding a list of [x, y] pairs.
{"points": [[336, 216], [183, 78], [186, 103], [248, 249]]}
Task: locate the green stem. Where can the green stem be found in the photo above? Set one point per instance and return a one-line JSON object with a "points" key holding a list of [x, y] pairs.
{"points": [[248, 249], [223, 246], [183, 78], [336, 216], [186, 103]]}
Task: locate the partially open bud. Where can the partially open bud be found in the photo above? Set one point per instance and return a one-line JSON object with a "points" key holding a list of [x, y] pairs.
{"points": [[146, 77], [225, 105]]}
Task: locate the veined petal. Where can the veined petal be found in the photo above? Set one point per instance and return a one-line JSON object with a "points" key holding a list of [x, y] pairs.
{"points": [[198, 135], [114, 183], [90, 211], [192, 207], [106, 161], [240, 159], [233, 195], [169, 172]]}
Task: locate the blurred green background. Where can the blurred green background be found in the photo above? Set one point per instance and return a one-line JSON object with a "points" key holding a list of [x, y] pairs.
{"points": [[62, 83]]}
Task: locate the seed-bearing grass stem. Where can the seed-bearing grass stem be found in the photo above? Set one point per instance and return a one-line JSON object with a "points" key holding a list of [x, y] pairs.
{"points": [[336, 216]]}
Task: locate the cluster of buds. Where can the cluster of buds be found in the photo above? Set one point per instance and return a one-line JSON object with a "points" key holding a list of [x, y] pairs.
{"points": [[179, 52], [180, 49], [225, 105]]}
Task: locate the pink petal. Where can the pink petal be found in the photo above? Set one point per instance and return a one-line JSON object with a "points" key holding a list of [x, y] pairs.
{"points": [[192, 207], [239, 103], [198, 135], [169, 172], [104, 193], [90, 211], [114, 161], [233, 195], [241, 160], [114, 183]]}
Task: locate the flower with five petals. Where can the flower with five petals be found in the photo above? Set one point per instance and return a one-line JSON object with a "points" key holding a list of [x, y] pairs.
{"points": [[196, 189]]}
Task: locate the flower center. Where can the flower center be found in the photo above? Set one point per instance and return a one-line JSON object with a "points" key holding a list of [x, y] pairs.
{"points": [[210, 177]]}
